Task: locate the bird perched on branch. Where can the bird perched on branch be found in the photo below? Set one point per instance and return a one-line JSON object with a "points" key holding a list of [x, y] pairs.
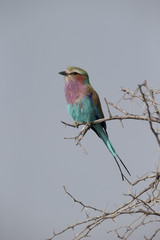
{"points": [[84, 106]]}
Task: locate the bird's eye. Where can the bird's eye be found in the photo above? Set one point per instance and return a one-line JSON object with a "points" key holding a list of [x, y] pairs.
{"points": [[74, 73]]}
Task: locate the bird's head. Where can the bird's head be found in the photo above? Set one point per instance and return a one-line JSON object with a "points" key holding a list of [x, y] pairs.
{"points": [[75, 74]]}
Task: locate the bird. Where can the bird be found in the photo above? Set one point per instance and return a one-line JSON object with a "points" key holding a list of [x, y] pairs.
{"points": [[84, 106]]}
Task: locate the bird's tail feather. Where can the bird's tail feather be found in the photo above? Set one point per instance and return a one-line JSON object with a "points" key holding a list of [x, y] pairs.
{"points": [[114, 154], [103, 135]]}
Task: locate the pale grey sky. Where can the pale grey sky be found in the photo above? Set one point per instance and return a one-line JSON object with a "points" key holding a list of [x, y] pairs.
{"points": [[118, 43]]}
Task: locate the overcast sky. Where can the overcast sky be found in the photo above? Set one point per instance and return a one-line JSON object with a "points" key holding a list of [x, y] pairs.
{"points": [[118, 43]]}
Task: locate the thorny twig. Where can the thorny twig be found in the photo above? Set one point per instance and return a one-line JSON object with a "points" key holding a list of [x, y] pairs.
{"points": [[140, 207], [148, 108]]}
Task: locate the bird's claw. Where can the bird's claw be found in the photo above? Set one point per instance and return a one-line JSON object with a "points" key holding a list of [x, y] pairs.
{"points": [[75, 124]]}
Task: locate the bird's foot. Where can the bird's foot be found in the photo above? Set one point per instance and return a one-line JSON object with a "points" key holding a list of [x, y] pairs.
{"points": [[76, 124]]}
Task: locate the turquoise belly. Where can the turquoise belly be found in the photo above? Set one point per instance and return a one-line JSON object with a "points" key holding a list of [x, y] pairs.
{"points": [[82, 111]]}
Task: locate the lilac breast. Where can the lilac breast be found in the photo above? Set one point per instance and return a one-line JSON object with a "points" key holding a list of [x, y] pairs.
{"points": [[74, 90]]}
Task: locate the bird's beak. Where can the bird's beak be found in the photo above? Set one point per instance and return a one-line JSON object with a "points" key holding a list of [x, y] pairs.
{"points": [[63, 73]]}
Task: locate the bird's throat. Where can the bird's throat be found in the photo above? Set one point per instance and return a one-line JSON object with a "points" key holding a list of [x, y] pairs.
{"points": [[74, 91]]}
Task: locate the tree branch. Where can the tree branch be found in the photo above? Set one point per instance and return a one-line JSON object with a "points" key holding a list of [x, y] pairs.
{"points": [[138, 208]]}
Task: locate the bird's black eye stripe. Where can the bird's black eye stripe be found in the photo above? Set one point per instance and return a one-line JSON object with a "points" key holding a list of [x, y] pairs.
{"points": [[73, 73]]}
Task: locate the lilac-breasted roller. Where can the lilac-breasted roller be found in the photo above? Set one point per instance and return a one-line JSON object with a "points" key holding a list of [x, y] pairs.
{"points": [[84, 106]]}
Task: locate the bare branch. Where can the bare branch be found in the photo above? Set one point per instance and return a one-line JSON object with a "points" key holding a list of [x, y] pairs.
{"points": [[109, 113], [149, 113], [139, 207]]}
